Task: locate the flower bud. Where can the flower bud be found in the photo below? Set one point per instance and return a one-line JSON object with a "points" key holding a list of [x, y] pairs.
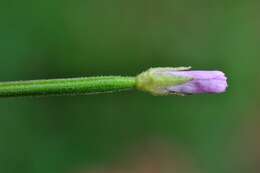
{"points": [[181, 81]]}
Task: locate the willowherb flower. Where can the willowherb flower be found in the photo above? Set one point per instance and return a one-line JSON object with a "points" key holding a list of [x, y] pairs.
{"points": [[157, 81], [181, 81]]}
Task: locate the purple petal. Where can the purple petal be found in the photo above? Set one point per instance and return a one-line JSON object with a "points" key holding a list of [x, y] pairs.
{"points": [[203, 82]]}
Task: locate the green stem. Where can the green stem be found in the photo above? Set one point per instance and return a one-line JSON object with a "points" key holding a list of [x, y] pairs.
{"points": [[71, 86]]}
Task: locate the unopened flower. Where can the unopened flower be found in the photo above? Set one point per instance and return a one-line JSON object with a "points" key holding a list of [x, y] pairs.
{"points": [[181, 81]]}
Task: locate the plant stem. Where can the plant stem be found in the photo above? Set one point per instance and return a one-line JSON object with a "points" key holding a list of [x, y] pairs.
{"points": [[71, 86]]}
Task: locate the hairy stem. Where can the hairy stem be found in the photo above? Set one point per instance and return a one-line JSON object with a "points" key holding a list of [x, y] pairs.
{"points": [[71, 86]]}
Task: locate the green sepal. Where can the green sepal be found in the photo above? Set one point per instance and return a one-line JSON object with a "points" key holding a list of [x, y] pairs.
{"points": [[156, 82]]}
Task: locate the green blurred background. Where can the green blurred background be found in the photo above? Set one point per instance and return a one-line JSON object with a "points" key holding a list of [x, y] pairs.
{"points": [[59, 38]]}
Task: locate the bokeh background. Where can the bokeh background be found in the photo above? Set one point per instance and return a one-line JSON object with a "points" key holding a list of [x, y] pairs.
{"points": [[130, 131]]}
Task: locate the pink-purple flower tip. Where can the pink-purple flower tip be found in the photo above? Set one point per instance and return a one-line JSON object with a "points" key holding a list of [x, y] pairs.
{"points": [[202, 82]]}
